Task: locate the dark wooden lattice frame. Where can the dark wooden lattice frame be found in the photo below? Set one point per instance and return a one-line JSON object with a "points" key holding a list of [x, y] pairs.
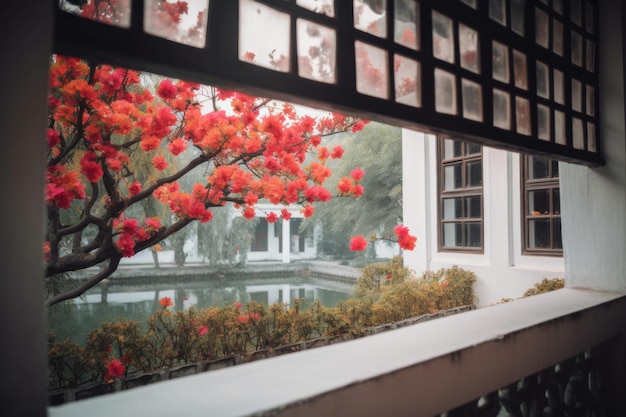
{"points": [[219, 64]]}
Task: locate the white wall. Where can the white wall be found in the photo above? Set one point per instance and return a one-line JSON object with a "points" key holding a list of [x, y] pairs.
{"points": [[594, 199], [502, 270]]}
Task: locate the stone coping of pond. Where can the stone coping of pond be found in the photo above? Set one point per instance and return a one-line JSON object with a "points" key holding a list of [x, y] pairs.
{"points": [[63, 396], [124, 273]]}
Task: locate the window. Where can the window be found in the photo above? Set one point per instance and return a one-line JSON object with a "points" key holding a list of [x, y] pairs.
{"points": [[259, 240], [541, 207], [460, 196]]}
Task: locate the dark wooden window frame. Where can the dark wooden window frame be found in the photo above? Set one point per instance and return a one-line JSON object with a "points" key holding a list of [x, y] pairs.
{"points": [[550, 183], [464, 191], [218, 64]]}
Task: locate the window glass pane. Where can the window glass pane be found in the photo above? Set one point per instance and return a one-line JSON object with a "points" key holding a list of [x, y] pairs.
{"points": [[316, 51], [473, 235], [590, 101], [590, 58], [556, 233], [537, 168], [555, 169], [588, 17], [522, 116], [501, 109], [453, 177], [543, 122], [371, 70], [556, 201], [473, 207], [468, 46], [406, 22], [472, 98], [559, 88], [559, 128], [557, 37], [445, 92], [473, 149], [576, 48], [319, 6], [520, 70], [474, 174], [591, 137], [407, 81], [452, 149], [443, 37], [542, 28], [470, 3], [257, 45], [453, 235], [371, 17], [517, 16], [112, 13], [543, 80], [452, 208], [557, 5], [497, 11], [500, 62], [539, 202], [578, 136], [172, 21], [539, 234], [576, 12]]}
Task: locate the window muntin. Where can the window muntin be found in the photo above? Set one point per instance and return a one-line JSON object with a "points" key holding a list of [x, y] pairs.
{"points": [[541, 207], [460, 196], [519, 74]]}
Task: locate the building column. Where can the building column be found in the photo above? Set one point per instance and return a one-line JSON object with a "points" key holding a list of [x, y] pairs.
{"points": [[286, 241]]}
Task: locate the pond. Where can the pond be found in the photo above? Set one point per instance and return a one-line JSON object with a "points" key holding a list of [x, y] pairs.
{"points": [[136, 301]]}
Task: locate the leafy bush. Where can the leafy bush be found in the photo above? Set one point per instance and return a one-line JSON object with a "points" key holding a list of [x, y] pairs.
{"points": [[545, 285], [384, 293]]}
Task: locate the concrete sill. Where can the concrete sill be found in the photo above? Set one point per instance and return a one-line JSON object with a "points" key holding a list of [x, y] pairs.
{"points": [[418, 370]]}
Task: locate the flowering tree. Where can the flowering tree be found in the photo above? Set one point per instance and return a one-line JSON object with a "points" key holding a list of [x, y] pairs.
{"points": [[103, 122]]}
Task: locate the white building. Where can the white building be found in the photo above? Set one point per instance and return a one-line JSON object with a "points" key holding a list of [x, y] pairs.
{"points": [[475, 212]]}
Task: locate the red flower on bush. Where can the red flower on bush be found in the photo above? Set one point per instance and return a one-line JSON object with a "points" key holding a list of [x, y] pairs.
{"points": [[358, 243], [166, 302], [203, 330], [115, 369]]}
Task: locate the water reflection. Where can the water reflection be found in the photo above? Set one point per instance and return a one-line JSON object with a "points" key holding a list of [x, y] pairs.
{"points": [[113, 302]]}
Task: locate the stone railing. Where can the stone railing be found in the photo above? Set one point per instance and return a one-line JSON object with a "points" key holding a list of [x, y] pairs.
{"points": [[529, 357]]}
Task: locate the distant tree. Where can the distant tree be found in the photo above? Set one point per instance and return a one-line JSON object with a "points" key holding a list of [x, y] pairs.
{"points": [[378, 151]]}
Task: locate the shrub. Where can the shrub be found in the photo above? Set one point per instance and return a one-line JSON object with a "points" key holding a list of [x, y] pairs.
{"points": [[384, 293], [545, 285]]}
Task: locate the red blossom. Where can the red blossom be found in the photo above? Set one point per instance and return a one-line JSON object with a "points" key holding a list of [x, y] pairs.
{"points": [[358, 243], [159, 162], [344, 185], [166, 302], [272, 217], [52, 137], [177, 146], [134, 188], [405, 240], [115, 369], [337, 152], [357, 174], [248, 212], [308, 211], [90, 168], [203, 330], [167, 90], [285, 214]]}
